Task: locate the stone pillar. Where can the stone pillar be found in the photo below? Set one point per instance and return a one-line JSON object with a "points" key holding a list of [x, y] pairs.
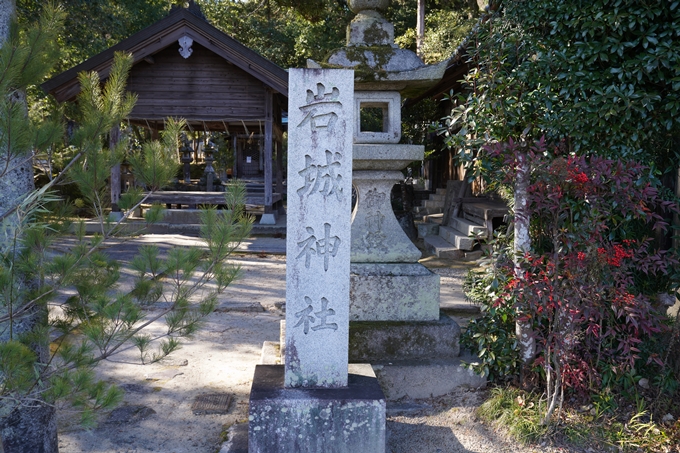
{"points": [[318, 230], [313, 404]]}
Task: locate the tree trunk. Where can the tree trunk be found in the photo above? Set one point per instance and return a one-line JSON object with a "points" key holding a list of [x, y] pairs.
{"points": [[32, 426], [27, 429], [420, 28], [522, 244]]}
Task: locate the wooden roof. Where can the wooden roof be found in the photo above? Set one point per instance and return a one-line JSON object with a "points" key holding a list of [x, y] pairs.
{"points": [[458, 66], [163, 34]]}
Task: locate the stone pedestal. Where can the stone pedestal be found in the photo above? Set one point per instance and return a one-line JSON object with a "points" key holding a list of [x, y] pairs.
{"points": [[305, 420], [393, 292], [384, 342]]}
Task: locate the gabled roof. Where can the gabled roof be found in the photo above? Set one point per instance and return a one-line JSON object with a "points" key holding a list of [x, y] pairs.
{"points": [[164, 33]]}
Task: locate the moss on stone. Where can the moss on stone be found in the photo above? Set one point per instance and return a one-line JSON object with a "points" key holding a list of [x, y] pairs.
{"points": [[363, 71], [375, 33]]}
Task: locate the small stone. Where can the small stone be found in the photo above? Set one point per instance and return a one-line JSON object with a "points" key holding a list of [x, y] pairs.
{"points": [[241, 307], [644, 383], [129, 414], [175, 362], [668, 418], [164, 375], [135, 388]]}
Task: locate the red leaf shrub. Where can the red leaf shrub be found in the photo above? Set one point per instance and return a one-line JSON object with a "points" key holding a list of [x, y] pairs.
{"points": [[579, 285]]}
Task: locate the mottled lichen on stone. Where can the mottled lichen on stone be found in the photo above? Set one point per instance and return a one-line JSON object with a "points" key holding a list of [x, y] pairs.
{"points": [[363, 71], [375, 33]]}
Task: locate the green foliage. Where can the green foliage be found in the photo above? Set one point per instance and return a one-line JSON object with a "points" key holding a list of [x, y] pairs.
{"points": [[94, 25], [157, 163], [492, 335], [445, 30], [589, 426], [24, 57], [519, 412], [16, 367], [50, 355], [287, 33], [602, 78]]}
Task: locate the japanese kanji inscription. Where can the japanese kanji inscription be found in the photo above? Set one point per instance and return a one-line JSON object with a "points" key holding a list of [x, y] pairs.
{"points": [[318, 239]]}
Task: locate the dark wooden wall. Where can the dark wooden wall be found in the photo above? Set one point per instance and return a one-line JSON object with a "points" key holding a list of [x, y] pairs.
{"points": [[201, 87]]}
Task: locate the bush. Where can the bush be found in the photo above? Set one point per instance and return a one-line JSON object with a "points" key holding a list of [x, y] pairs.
{"points": [[593, 324]]}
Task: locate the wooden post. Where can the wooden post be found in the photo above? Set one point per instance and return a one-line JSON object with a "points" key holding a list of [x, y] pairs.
{"points": [[234, 171], [279, 167], [269, 215], [114, 138]]}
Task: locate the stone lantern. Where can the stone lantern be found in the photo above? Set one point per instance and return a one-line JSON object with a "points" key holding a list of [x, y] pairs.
{"points": [[388, 283], [209, 179], [393, 298], [185, 156]]}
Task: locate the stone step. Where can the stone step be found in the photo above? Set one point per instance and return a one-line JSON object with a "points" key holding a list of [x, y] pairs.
{"points": [[437, 197], [237, 439], [426, 229], [468, 228], [419, 379], [441, 191], [436, 245], [434, 217], [456, 238], [433, 204]]}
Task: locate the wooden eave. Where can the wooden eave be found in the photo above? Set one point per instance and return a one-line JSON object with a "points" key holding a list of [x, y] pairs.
{"points": [[162, 34], [458, 67]]}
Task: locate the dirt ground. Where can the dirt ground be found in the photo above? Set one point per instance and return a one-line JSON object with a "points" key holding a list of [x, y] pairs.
{"points": [[157, 415]]}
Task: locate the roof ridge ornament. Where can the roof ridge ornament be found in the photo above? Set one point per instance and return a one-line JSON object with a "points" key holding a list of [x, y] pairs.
{"points": [[196, 10], [185, 43], [191, 7]]}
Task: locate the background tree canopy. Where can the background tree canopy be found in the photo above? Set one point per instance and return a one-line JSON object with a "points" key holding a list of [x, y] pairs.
{"points": [[601, 76], [288, 32]]}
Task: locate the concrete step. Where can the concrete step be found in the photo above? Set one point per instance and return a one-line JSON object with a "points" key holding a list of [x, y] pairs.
{"points": [[426, 229], [419, 379], [433, 204], [437, 197], [440, 191], [456, 238], [468, 228], [436, 245], [434, 217]]}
